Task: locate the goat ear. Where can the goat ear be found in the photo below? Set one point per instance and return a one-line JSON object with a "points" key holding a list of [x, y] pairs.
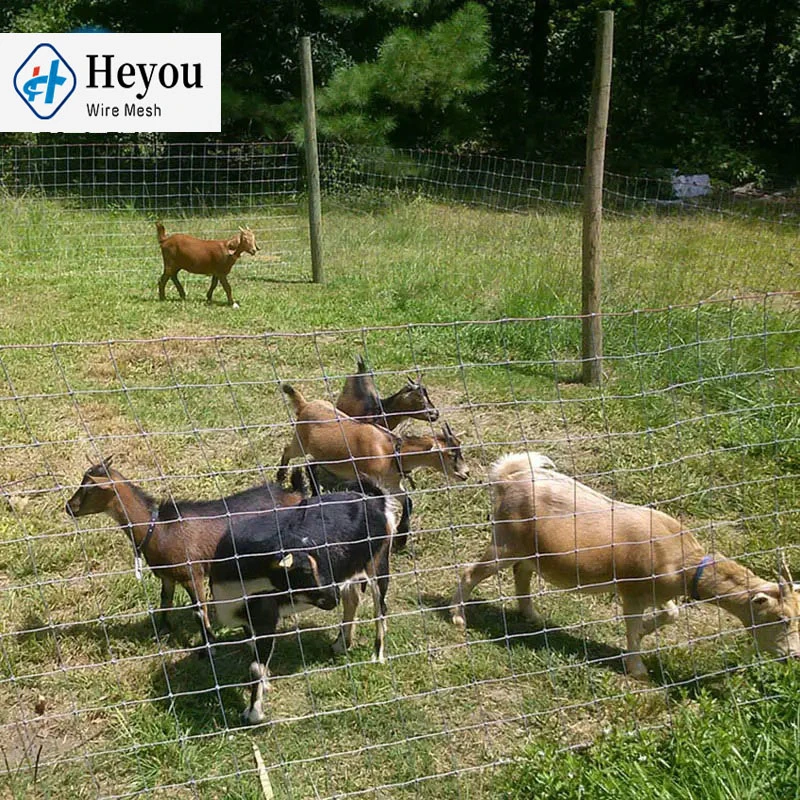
{"points": [[287, 561], [761, 598]]}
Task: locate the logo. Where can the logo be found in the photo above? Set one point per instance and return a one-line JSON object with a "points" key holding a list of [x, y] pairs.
{"points": [[45, 81]]}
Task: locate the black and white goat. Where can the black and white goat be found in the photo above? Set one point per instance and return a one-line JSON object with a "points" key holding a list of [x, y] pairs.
{"points": [[308, 556]]}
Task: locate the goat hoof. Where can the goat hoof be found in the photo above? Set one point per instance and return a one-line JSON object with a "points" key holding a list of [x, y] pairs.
{"points": [[339, 647], [458, 620], [635, 668], [536, 619], [235, 305], [252, 716]]}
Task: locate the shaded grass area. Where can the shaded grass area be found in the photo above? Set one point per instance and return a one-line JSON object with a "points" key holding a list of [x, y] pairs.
{"points": [[698, 415]]}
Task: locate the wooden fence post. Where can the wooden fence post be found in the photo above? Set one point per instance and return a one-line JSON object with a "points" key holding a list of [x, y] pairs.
{"points": [[592, 334], [312, 159]]}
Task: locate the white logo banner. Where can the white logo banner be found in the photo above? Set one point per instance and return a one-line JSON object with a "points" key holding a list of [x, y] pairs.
{"points": [[110, 82]]}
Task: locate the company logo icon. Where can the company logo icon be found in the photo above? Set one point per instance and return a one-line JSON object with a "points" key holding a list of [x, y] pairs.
{"points": [[45, 81]]}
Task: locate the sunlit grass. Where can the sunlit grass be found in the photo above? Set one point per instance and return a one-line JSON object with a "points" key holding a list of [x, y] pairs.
{"points": [[698, 414]]}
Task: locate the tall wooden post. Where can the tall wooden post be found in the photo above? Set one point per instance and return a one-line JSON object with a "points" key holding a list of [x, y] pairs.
{"points": [[312, 159], [592, 338]]}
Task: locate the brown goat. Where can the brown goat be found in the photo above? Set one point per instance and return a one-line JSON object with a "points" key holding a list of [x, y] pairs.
{"points": [[214, 257], [177, 539], [359, 399], [576, 538], [350, 449]]}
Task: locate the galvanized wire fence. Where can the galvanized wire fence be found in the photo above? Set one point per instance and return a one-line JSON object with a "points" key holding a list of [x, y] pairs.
{"points": [[698, 417], [94, 694], [104, 199]]}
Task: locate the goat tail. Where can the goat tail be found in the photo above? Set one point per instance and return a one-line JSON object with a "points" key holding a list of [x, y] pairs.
{"points": [[518, 466], [161, 231], [298, 401]]}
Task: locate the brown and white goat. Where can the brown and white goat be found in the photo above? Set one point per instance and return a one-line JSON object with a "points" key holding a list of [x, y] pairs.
{"points": [[572, 536], [214, 257], [350, 449], [359, 399], [177, 539]]}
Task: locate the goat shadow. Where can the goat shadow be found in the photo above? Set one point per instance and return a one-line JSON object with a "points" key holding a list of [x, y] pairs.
{"points": [[507, 625], [204, 686]]}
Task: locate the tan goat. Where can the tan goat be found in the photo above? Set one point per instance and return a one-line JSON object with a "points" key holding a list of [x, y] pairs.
{"points": [[214, 257], [350, 449], [574, 537]]}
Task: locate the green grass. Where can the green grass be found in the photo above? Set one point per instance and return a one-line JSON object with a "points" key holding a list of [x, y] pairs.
{"points": [[698, 414], [742, 743]]}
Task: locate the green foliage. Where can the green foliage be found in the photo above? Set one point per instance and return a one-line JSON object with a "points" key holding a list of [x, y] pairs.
{"points": [[418, 78], [702, 87], [54, 16]]}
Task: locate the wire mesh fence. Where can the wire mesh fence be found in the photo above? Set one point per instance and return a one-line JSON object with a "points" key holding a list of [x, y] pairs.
{"points": [[99, 203], [698, 419], [761, 256]]}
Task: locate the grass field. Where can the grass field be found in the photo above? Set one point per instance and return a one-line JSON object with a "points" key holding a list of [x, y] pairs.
{"points": [[698, 414]]}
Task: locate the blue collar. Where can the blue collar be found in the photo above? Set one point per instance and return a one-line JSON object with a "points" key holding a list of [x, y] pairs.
{"points": [[698, 573]]}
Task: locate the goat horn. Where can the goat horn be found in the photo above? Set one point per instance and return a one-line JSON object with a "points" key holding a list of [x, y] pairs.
{"points": [[785, 573], [448, 431], [107, 461]]}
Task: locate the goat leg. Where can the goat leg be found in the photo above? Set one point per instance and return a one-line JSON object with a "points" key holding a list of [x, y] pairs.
{"points": [[162, 283], [197, 595], [490, 564], [210, 292], [665, 615], [380, 586], [167, 602], [634, 630], [263, 613], [312, 472], [349, 607], [227, 287], [523, 572], [404, 526], [181, 292], [292, 450]]}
